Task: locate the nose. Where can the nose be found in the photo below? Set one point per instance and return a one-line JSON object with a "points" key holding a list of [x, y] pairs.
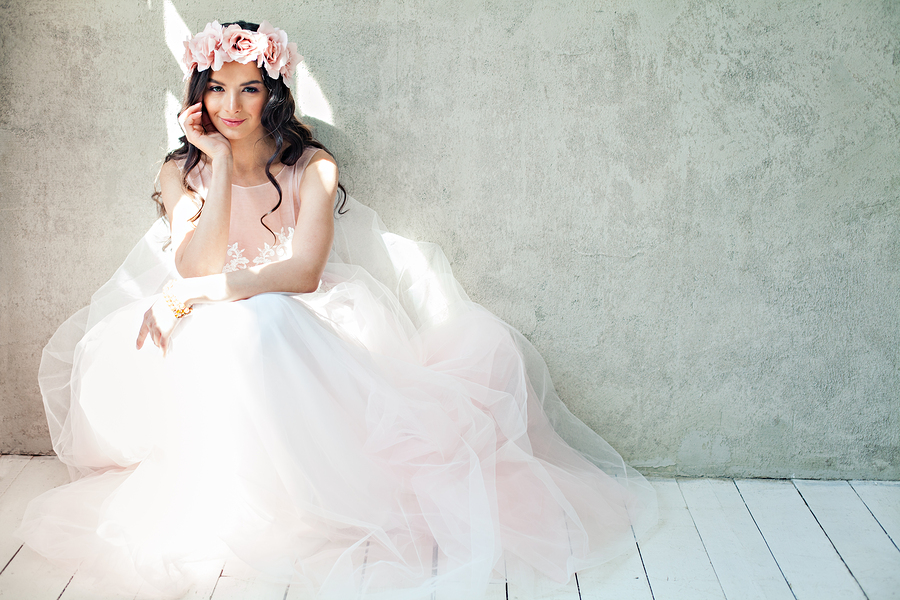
{"points": [[233, 102]]}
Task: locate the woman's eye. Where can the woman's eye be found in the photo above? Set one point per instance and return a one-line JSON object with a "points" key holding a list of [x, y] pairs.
{"points": [[252, 90], [215, 88]]}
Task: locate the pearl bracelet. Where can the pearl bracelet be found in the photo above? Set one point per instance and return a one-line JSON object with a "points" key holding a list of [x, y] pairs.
{"points": [[174, 303]]}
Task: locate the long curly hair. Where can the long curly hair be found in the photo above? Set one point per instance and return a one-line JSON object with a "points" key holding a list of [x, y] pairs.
{"points": [[291, 137]]}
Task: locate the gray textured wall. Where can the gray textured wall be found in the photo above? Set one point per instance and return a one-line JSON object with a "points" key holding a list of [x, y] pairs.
{"points": [[692, 212]]}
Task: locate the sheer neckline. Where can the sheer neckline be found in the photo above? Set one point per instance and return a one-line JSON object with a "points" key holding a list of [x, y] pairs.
{"points": [[250, 187]]}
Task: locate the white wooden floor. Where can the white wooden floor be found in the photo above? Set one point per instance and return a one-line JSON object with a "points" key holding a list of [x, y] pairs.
{"points": [[717, 539]]}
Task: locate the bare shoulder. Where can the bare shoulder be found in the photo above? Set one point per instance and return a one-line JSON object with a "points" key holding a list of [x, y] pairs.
{"points": [[321, 174], [171, 187], [169, 173], [322, 162]]}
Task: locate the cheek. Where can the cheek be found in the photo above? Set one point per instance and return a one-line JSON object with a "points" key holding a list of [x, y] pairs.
{"points": [[259, 104]]}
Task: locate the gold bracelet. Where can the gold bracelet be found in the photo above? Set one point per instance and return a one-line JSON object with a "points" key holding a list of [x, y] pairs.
{"points": [[174, 303]]}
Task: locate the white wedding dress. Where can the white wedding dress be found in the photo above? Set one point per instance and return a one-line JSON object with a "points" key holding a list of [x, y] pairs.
{"points": [[383, 436]]}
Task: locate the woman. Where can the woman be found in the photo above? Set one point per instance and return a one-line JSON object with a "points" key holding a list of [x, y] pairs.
{"points": [[326, 404]]}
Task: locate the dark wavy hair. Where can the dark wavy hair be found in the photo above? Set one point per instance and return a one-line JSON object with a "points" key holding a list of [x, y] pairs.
{"points": [[291, 137]]}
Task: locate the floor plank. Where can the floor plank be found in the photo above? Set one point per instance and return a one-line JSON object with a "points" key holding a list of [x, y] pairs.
{"points": [[708, 546], [620, 579], [37, 476], [809, 562], [737, 550], [496, 591], [677, 564], [238, 588], [202, 591], [239, 581], [883, 500], [861, 542], [299, 591], [10, 467], [79, 588], [545, 592], [29, 576]]}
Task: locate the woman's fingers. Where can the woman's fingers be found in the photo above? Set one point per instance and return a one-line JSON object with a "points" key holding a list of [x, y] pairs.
{"points": [[206, 123], [192, 110], [142, 334], [186, 114], [148, 328], [157, 329], [200, 131], [192, 120]]}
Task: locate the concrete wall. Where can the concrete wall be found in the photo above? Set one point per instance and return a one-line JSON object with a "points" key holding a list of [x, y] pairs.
{"points": [[692, 212]]}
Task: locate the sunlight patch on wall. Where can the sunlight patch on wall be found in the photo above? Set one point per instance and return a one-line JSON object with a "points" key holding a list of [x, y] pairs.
{"points": [[173, 129], [176, 33], [310, 99]]}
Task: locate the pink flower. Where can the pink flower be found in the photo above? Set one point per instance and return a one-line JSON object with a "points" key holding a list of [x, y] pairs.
{"points": [[241, 45], [278, 57], [216, 45], [294, 59], [204, 50]]}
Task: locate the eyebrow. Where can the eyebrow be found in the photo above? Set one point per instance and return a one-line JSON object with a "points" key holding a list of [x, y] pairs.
{"points": [[211, 80]]}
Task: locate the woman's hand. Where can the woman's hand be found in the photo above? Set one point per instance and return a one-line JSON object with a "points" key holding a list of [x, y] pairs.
{"points": [[159, 323], [202, 133]]}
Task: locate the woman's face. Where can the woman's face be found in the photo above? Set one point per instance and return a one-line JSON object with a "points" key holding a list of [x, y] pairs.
{"points": [[234, 99]]}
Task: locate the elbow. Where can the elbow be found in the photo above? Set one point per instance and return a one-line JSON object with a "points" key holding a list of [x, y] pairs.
{"points": [[306, 278], [308, 289], [307, 285]]}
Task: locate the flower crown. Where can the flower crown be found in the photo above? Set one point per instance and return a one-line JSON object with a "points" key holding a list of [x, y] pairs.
{"points": [[217, 45]]}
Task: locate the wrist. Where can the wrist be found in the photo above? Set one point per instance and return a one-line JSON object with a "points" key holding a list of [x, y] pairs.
{"points": [[205, 289], [184, 290], [222, 161], [173, 300]]}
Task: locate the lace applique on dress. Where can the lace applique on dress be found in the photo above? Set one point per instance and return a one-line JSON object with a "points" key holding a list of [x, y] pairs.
{"points": [[280, 251], [237, 259]]}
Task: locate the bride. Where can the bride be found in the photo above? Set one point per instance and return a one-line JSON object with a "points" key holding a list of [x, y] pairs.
{"points": [[307, 393]]}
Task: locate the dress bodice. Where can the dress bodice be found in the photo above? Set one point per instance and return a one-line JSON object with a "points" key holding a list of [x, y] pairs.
{"points": [[249, 243]]}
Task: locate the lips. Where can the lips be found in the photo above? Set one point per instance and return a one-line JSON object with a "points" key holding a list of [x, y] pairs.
{"points": [[232, 122]]}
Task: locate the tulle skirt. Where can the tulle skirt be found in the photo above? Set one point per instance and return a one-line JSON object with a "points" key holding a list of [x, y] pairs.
{"points": [[381, 437]]}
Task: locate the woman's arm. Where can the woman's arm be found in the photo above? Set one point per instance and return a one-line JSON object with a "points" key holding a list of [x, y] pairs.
{"points": [[201, 249], [300, 273], [310, 247]]}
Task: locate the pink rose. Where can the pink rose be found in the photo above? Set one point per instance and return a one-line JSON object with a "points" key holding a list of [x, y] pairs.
{"points": [[279, 57], [291, 63], [216, 45], [243, 46], [203, 51]]}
